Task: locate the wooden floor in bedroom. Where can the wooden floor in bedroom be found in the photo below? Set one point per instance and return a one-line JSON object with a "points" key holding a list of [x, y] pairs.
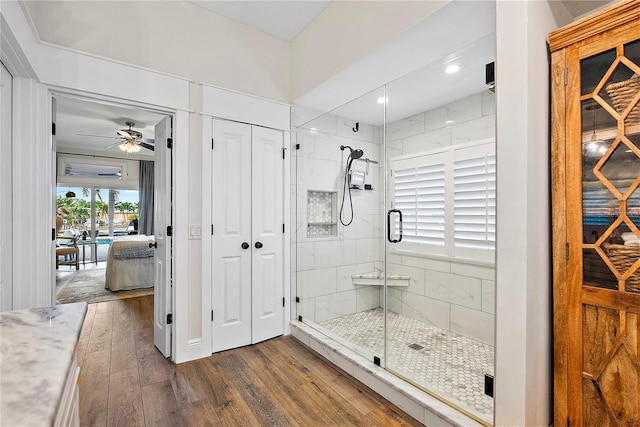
{"points": [[125, 381]]}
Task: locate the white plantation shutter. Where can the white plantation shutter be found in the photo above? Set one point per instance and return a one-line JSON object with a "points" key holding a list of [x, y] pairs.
{"points": [[474, 182], [448, 201], [420, 196], [419, 192]]}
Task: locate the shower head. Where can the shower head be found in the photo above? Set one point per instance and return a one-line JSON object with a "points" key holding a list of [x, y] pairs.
{"points": [[357, 153], [354, 154]]}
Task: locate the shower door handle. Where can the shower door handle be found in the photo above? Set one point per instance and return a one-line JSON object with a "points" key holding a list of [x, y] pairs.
{"points": [[391, 211]]}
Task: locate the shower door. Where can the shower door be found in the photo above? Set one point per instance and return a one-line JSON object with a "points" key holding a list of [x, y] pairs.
{"points": [[439, 243]]}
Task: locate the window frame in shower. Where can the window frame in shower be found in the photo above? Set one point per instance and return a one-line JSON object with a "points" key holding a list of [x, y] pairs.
{"points": [[452, 247]]}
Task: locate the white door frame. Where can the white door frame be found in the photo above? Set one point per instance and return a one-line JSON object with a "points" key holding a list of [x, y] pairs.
{"points": [[227, 104], [6, 183], [168, 113]]}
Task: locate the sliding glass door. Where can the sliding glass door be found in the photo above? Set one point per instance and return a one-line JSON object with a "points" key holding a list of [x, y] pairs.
{"points": [[97, 214]]}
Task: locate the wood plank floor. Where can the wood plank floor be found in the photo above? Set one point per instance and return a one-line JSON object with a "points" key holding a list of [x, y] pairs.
{"points": [[125, 381]]}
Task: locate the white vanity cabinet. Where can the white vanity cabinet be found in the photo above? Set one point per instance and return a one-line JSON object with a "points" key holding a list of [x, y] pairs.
{"points": [[68, 414], [38, 367]]}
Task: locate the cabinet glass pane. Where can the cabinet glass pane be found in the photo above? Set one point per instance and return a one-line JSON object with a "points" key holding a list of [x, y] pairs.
{"points": [[592, 70], [596, 272], [610, 125], [632, 51]]}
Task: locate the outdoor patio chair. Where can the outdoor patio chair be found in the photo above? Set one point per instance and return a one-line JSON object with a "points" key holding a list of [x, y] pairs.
{"points": [[67, 251]]}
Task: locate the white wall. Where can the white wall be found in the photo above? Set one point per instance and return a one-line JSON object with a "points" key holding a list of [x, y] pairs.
{"points": [[523, 278], [176, 37], [33, 196]]}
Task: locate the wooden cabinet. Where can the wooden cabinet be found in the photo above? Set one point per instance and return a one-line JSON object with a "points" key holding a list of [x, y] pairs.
{"points": [[596, 218]]}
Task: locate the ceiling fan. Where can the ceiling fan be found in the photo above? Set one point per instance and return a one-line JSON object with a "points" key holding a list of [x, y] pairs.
{"points": [[133, 140], [130, 140]]}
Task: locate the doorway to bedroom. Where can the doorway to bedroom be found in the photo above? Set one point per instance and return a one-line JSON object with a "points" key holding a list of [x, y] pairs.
{"points": [[105, 189]]}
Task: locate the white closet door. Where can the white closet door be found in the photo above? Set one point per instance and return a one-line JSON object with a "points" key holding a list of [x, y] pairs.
{"points": [[267, 219], [232, 227]]}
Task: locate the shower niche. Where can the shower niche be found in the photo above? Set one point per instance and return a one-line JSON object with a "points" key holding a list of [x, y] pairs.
{"points": [[321, 213]]}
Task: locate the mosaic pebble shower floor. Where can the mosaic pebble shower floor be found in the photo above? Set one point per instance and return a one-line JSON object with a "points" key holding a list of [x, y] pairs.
{"points": [[448, 364]]}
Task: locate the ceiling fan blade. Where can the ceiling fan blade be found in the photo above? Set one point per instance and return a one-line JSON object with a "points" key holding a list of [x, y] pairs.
{"points": [[115, 143], [97, 136], [147, 140], [123, 134], [146, 145]]}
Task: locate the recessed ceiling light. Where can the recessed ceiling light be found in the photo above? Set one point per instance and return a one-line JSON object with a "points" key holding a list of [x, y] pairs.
{"points": [[313, 130], [382, 100], [448, 122], [451, 69]]}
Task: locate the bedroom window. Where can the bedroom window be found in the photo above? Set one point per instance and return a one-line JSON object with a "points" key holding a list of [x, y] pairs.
{"points": [[111, 210], [447, 198]]}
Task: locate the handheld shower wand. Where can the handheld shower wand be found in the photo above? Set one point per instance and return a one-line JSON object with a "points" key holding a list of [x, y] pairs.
{"points": [[346, 187]]}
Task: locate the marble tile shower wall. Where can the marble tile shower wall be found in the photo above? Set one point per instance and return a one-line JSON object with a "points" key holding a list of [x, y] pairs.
{"points": [[323, 264], [454, 296]]}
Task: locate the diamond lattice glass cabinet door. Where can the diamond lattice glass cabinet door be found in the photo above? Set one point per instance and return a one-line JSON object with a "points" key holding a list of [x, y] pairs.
{"points": [[610, 121], [610, 131], [596, 218]]}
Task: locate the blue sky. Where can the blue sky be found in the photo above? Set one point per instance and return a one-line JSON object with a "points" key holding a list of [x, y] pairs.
{"points": [[124, 196]]}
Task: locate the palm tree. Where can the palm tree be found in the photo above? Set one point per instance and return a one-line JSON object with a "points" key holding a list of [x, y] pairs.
{"points": [[126, 208], [64, 205], [86, 192], [102, 208]]}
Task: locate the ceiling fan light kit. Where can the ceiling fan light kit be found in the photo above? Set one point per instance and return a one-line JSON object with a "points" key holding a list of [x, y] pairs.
{"points": [[130, 146]]}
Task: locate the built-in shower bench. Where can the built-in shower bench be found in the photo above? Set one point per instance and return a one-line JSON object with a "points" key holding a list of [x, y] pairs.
{"points": [[376, 278]]}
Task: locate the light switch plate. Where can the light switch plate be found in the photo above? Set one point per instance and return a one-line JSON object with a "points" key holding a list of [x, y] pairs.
{"points": [[195, 231]]}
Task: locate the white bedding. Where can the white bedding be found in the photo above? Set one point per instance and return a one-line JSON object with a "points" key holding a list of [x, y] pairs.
{"points": [[130, 264]]}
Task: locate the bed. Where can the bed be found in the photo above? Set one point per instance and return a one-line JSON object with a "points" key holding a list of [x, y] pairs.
{"points": [[130, 263]]}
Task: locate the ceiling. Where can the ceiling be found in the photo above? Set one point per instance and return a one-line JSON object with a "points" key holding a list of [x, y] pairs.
{"points": [[578, 8], [77, 118], [281, 19], [426, 88], [89, 127], [286, 19]]}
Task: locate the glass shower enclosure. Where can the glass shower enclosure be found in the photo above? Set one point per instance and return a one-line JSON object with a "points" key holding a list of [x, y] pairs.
{"points": [[395, 227]]}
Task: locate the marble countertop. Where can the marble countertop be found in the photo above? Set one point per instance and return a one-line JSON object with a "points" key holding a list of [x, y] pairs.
{"points": [[37, 348]]}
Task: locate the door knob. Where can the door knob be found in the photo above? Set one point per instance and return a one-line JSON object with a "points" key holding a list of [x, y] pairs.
{"points": [[258, 245], [153, 245], [245, 245]]}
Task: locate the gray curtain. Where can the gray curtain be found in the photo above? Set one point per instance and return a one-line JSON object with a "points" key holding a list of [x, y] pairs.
{"points": [[145, 209]]}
